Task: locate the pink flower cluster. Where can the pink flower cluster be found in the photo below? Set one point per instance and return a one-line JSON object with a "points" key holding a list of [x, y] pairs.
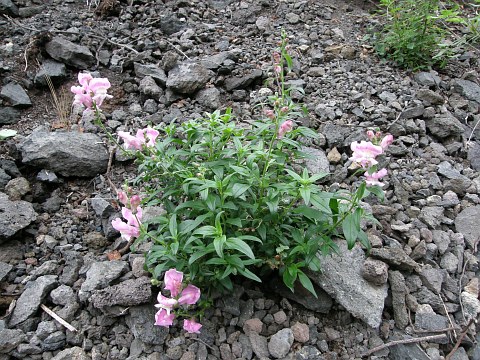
{"points": [[173, 281], [286, 127], [145, 137], [132, 213], [365, 152], [91, 92]]}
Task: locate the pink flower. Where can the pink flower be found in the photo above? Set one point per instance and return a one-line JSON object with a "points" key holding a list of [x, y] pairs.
{"points": [[162, 318], [364, 153], [132, 219], [131, 142], [135, 202], [126, 230], [136, 142], [122, 197], [191, 326], [370, 135], [189, 295], [373, 179], [386, 141], [284, 109], [92, 91], [277, 69], [286, 127], [173, 281], [165, 303], [270, 113], [151, 135]]}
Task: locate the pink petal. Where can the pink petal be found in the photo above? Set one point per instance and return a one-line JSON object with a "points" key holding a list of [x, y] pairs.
{"points": [[189, 295], [191, 326], [173, 281]]}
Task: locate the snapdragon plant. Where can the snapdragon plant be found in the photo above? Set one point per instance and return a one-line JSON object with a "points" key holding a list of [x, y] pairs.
{"points": [[236, 201]]}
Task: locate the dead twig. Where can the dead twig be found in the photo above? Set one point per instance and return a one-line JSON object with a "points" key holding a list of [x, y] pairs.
{"points": [[58, 318], [459, 340], [403, 341], [178, 50]]}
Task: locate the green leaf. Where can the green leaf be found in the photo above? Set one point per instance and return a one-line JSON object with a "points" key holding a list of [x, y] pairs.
{"points": [[206, 230], [235, 221], [216, 261], [351, 228], [188, 226], [218, 222], [172, 226], [219, 243], [262, 231], [306, 282], [6, 133], [241, 170], [239, 245], [250, 237], [377, 191], [305, 192], [239, 189], [198, 254], [248, 274], [289, 276], [314, 264], [294, 175], [308, 212], [174, 247]]}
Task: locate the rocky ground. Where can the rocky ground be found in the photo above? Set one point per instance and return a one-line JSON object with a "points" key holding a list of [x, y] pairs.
{"points": [[175, 60]]}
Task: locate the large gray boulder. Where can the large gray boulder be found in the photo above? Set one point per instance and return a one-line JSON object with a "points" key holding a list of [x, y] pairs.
{"points": [[467, 222], [341, 277], [65, 153], [15, 95], [14, 216], [69, 53]]}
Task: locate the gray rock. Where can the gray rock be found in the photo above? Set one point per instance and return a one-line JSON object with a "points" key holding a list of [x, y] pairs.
{"points": [[341, 278], [214, 62], [444, 125], [7, 7], [142, 70], [31, 298], [467, 222], [14, 216], [430, 97], [399, 293], [413, 112], [141, 321], [102, 207], [441, 239], [128, 293], [54, 341], [467, 88], [425, 296], [432, 216], [4, 270], [17, 188], [428, 320], [48, 177], [10, 339], [188, 77], [427, 79], [375, 271], [74, 353], [316, 160], [233, 83], [29, 11], [9, 115], [461, 354], [56, 71], [63, 295], [4, 179], [471, 305], [433, 278], [407, 351], [473, 154], [149, 87], [259, 345], [170, 24], [66, 153], [102, 273], [73, 263], [15, 95], [449, 262], [458, 183], [209, 98], [395, 257], [69, 53], [280, 343]]}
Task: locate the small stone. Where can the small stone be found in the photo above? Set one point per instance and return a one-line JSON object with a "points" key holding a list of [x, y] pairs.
{"points": [[301, 332], [375, 271], [334, 156], [252, 325], [15, 95], [280, 343], [280, 317]]}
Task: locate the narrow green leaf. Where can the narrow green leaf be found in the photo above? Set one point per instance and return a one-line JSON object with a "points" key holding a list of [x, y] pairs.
{"points": [[172, 226], [294, 175], [235, 221], [219, 243], [305, 193], [248, 274], [306, 283], [351, 228], [188, 226], [377, 191], [239, 245], [216, 261], [198, 254], [239, 189], [206, 230]]}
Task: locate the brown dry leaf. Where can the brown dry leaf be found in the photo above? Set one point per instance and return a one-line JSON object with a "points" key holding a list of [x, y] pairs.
{"points": [[114, 255]]}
